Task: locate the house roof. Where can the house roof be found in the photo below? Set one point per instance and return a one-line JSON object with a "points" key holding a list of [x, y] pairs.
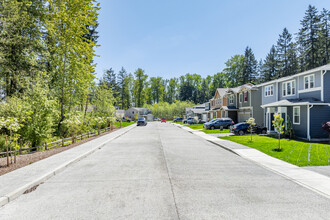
{"points": [[199, 106], [294, 102], [229, 108], [222, 91], [197, 110], [325, 67]]}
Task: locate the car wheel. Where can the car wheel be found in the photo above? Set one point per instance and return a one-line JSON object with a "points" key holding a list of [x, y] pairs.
{"points": [[241, 132], [212, 127]]}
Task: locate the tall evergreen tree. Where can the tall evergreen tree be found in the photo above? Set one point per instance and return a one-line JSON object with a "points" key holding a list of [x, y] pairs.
{"points": [[249, 67], [270, 65], [123, 89], [324, 37], [286, 54], [21, 44], [308, 39]]}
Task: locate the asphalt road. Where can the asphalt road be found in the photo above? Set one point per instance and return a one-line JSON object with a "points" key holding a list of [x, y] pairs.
{"points": [[163, 172]]}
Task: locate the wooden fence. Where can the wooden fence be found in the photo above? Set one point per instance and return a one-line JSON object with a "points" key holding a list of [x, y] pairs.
{"points": [[59, 143]]}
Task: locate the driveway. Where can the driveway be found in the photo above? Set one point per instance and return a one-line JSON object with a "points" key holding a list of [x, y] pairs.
{"points": [[163, 172]]}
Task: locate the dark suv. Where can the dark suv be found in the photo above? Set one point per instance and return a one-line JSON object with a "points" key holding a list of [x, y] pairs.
{"points": [[141, 121], [243, 128], [218, 122]]}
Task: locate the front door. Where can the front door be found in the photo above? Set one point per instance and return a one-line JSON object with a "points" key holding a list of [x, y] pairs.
{"points": [[270, 118]]}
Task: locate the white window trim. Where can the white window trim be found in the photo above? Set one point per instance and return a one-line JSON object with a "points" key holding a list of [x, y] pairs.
{"points": [[286, 90], [240, 99], [310, 90], [245, 96], [231, 99], [294, 122], [309, 82], [269, 89]]}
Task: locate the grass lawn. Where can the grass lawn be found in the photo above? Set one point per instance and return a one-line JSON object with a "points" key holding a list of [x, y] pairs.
{"points": [[216, 131], [123, 124], [196, 126], [299, 153]]}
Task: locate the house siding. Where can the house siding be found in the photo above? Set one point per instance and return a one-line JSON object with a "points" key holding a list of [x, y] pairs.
{"points": [[326, 87], [256, 104], [268, 99], [246, 104], [317, 75], [280, 92], [301, 129], [314, 94], [318, 115]]}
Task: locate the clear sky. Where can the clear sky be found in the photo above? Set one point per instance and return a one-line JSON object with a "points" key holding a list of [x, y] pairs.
{"points": [[170, 38]]}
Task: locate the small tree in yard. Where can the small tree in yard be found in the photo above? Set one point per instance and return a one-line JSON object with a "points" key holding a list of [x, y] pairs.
{"points": [[251, 123], [326, 127], [277, 123]]}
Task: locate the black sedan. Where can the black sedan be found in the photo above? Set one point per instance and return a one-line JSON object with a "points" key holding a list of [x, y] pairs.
{"points": [[141, 121], [243, 128]]}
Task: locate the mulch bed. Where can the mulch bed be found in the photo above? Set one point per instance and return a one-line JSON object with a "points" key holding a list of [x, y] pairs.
{"points": [[26, 159]]}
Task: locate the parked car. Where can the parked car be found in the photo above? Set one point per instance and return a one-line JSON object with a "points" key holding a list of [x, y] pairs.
{"points": [[218, 122], [185, 120], [192, 121], [242, 128], [141, 121], [163, 120], [125, 119], [178, 119], [156, 119], [201, 122]]}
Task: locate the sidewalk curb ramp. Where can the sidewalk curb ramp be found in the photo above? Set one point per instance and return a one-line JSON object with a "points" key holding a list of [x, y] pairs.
{"points": [[5, 199]]}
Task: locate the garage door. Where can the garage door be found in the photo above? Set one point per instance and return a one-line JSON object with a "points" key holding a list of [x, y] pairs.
{"points": [[243, 116]]}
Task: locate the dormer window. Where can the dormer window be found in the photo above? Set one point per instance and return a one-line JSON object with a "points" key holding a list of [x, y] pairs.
{"points": [[289, 88], [231, 99], [309, 81], [269, 90], [246, 96]]}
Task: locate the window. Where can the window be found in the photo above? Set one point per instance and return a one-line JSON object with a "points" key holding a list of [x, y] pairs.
{"points": [[231, 99], [269, 90], [240, 97], [296, 115], [246, 96], [289, 88], [309, 81]]}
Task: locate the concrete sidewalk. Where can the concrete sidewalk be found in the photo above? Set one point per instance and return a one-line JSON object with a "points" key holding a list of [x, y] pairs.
{"points": [[312, 180], [15, 183]]}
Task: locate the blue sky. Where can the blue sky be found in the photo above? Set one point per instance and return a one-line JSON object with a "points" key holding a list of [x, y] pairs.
{"points": [[170, 38]]}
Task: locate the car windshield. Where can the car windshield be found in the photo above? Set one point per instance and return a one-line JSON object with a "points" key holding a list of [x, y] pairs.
{"points": [[141, 119], [213, 120]]}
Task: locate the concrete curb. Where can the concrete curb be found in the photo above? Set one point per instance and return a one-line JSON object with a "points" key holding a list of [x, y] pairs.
{"points": [[311, 180], [19, 191]]}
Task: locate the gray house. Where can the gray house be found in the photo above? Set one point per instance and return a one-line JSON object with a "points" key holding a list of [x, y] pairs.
{"points": [[304, 97], [197, 111], [139, 112], [249, 104]]}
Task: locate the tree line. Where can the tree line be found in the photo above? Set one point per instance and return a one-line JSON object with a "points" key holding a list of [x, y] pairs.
{"points": [[47, 72], [290, 55]]}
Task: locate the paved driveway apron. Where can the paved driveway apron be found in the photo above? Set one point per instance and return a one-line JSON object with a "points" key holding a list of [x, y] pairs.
{"points": [[163, 172]]}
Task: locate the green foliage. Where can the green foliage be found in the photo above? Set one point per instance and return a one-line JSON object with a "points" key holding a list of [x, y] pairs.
{"points": [[167, 110], [279, 126], [299, 153], [252, 123]]}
